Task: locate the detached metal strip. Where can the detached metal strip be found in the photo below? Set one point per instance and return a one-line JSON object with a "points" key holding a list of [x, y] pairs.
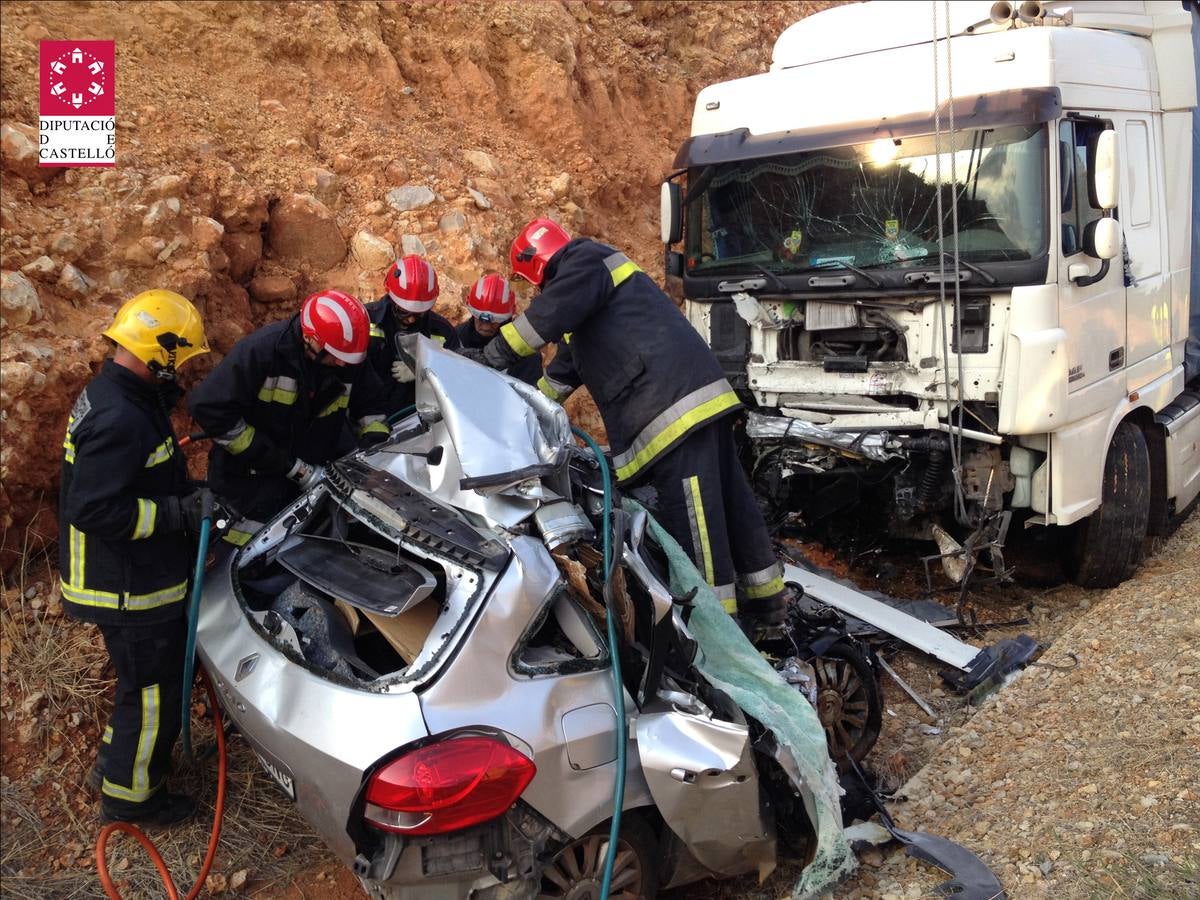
{"points": [[921, 635]]}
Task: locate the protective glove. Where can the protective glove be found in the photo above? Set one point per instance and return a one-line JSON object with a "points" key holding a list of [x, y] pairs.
{"points": [[305, 474], [472, 353], [184, 514], [498, 354], [402, 373]]}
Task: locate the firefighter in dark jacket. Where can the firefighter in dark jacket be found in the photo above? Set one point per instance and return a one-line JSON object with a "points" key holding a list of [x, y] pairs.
{"points": [[127, 522], [491, 302], [665, 404], [406, 308], [288, 399]]}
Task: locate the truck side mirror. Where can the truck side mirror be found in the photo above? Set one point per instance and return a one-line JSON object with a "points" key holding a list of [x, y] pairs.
{"points": [[671, 212], [1105, 171], [1102, 238]]}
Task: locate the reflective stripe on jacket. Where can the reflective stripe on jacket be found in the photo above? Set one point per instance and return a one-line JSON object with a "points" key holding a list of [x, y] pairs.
{"points": [[528, 370], [266, 404], [118, 560], [652, 376]]}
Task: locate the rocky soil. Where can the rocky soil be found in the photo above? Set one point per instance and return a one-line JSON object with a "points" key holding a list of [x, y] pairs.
{"points": [[266, 151], [1082, 778]]}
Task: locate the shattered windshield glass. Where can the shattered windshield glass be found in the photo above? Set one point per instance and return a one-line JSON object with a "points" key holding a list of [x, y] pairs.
{"points": [[872, 205]]}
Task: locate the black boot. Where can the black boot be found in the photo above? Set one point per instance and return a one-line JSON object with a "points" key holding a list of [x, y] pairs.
{"points": [[169, 810]]}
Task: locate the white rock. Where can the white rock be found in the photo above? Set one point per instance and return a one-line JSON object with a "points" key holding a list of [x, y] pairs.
{"points": [[17, 376], [161, 212], [65, 244], [371, 251], [410, 245], [481, 202], [452, 221], [322, 183], [74, 282], [560, 184], [19, 300], [206, 232], [166, 186], [411, 196], [19, 150], [481, 162], [42, 268]]}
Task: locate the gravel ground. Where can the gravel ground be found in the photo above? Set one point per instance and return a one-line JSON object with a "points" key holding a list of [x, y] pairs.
{"points": [[1080, 779]]}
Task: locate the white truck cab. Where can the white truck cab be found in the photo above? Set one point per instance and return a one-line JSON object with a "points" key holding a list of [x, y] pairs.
{"points": [[946, 253]]}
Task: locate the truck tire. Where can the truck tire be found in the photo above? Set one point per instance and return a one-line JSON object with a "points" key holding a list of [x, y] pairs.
{"points": [[1106, 547]]}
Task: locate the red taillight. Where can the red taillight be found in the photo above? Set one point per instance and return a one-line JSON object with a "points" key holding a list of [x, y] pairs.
{"points": [[446, 786]]}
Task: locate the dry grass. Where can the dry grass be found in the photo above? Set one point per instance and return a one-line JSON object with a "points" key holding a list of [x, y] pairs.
{"points": [[259, 822], [1138, 879], [57, 687]]}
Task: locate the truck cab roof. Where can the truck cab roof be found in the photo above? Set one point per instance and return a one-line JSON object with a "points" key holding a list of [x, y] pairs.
{"points": [[867, 63]]}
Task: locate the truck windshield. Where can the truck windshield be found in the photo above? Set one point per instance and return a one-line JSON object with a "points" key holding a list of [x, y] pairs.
{"points": [[873, 205]]}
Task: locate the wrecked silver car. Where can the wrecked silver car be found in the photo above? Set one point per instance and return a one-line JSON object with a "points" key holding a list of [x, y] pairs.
{"points": [[413, 650]]}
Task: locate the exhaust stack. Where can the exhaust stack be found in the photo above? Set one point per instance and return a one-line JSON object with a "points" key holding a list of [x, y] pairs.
{"points": [[1002, 11], [1031, 12]]}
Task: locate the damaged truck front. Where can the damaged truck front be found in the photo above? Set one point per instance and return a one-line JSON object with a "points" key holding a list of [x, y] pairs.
{"points": [[961, 286]]}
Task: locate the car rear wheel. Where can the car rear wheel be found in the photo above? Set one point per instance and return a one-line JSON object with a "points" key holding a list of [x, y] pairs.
{"points": [[576, 871]]}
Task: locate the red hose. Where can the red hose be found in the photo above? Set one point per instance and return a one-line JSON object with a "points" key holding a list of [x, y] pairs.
{"points": [[109, 830]]}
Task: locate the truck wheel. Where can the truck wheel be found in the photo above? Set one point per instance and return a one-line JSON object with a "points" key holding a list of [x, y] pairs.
{"points": [[576, 871], [1106, 547]]}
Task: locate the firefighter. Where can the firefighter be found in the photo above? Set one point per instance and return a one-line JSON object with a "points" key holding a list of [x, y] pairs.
{"points": [[128, 517], [406, 308], [288, 399], [492, 302], [665, 404]]}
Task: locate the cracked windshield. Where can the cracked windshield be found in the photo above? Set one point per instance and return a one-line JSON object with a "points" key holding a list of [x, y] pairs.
{"points": [[873, 204]]}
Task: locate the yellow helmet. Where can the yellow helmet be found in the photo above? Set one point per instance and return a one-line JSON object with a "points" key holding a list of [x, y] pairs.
{"points": [[160, 328]]}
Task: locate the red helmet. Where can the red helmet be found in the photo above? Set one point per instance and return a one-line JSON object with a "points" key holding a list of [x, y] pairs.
{"points": [[412, 284], [491, 299], [534, 247], [339, 323]]}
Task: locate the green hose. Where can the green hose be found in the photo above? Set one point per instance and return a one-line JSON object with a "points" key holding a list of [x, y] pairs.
{"points": [[400, 414], [189, 656], [618, 684]]}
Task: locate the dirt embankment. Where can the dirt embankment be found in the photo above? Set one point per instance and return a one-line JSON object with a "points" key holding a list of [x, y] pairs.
{"points": [[269, 150]]}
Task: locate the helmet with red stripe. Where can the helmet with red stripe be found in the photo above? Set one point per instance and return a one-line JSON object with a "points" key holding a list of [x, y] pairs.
{"points": [[338, 324], [534, 247], [412, 284], [491, 299]]}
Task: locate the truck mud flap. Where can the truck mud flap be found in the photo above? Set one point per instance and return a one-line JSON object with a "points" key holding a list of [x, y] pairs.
{"points": [[971, 879]]}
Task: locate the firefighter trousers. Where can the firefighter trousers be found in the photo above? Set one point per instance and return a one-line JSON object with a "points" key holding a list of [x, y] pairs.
{"points": [[707, 505], [135, 757]]}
